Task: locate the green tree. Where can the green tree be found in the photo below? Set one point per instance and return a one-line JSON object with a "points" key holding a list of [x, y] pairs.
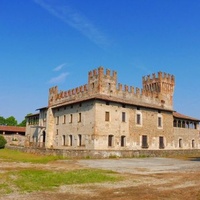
{"points": [[2, 142], [11, 121], [2, 120], [23, 123]]}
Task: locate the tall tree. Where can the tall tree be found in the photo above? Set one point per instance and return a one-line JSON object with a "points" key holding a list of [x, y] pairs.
{"points": [[11, 121]]}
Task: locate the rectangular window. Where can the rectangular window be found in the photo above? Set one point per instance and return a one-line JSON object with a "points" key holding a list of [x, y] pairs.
{"points": [[79, 140], [107, 116], [70, 118], [161, 142], [110, 140], [63, 140], [123, 141], [79, 117], [57, 120], [144, 141], [138, 119], [123, 116], [64, 119], [159, 122], [70, 140]]}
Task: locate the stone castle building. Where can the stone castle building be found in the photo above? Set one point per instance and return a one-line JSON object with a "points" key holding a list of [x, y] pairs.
{"points": [[106, 115]]}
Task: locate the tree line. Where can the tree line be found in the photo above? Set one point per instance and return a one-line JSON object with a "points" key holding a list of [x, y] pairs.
{"points": [[11, 121]]}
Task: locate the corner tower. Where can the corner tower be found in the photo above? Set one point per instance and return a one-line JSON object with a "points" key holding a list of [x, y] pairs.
{"points": [[161, 87]]}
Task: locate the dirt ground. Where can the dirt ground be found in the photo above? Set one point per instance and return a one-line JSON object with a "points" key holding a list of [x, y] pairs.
{"points": [[144, 179]]}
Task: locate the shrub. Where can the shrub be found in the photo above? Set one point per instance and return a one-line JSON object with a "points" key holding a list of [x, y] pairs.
{"points": [[2, 142]]}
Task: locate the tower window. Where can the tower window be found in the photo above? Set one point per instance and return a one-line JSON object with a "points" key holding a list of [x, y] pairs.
{"points": [[107, 116]]}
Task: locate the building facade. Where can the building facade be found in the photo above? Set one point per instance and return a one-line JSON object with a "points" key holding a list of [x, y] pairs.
{"points": [[106, 115]]}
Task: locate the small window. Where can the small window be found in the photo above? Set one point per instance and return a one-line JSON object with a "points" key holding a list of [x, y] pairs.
{"points": [[193, 144], [107, 103], [138, 119], [123, 116], [64, 119], [161, 142], [79, 117], [144, 141], [79, 140], [71, 118], [70, 140], [92, 85], [56, 131], [123, 106], [110, 140], [63, 140], [159, 121], [107, 116], [123, 141], [180, 143], [57, 120], [138, 108]]}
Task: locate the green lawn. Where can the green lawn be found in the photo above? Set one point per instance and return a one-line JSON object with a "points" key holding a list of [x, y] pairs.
{"points": [[17, 156], [37, 179]]}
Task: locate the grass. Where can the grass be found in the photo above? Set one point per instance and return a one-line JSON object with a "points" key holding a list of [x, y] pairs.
{"points": [[30, 180], [17, 156]]}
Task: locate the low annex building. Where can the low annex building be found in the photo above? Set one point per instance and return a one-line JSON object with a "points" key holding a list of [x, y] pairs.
{"points": [[106, 115]]}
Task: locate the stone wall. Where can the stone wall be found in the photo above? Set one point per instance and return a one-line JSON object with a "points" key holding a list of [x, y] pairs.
{"points": [[82, 154]]}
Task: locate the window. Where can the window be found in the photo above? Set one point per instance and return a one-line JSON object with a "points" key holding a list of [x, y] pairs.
{"points": [[57, 120], [161, 142], [144, 141], [107, 116], [79, 140], [70, 140], [193, 144], [56, 131], [110, 140], [159, 121], [123, 141], [63, 140], [70, 118], [180, 143], [123, 116], [79, 117], [64, 119], [138, 119]]}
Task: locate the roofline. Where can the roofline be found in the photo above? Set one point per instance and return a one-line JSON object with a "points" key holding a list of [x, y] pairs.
{"points": [[100, 97]]}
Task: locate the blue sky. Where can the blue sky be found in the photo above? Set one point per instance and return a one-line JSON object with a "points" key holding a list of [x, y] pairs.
{"points": [[44, 43]]}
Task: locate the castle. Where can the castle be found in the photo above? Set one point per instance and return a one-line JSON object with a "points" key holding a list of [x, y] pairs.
{"points": [[106, 115]]}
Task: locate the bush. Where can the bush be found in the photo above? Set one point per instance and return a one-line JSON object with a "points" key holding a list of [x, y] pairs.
{"points": [[2, 142]]}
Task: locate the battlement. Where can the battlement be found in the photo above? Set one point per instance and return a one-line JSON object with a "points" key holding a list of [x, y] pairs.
{"points": [[100, 71], [157, 89], [160, 77]]}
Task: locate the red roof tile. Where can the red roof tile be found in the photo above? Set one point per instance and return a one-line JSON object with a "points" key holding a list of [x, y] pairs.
{"points": [[13, 128], [181, 116]]}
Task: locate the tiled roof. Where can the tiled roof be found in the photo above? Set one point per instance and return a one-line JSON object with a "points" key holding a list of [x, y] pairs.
{"points": [[13, 128], [181, 116]]}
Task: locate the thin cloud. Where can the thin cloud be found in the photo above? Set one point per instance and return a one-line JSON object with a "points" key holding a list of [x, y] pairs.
{"points": [[59, 67], [59, 79], [76, 20]]}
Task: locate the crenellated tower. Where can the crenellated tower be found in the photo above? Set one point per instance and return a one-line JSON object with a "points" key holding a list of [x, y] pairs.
{"points": [[161, 87], [98, 82], [53, 92]]}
